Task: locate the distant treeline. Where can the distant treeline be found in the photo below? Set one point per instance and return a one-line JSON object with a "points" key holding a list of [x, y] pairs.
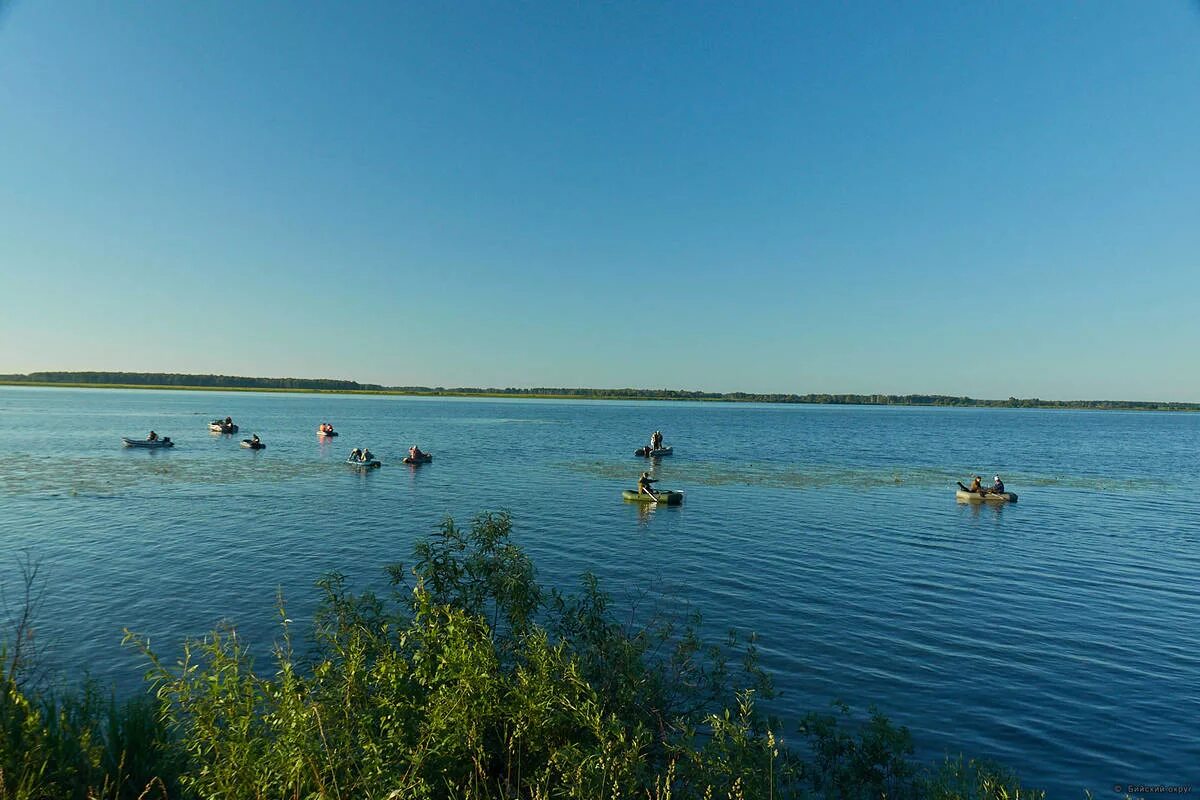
{"points": [[176, 379], [324, 384], [818, 399]]}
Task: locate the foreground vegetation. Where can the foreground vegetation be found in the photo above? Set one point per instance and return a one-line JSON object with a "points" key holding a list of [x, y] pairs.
{"points": [[159, 380], [469, 681]]}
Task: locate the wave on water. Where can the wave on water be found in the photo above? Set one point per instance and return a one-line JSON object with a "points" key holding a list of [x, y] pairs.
{"points": [[500, 421], [817, 476]]}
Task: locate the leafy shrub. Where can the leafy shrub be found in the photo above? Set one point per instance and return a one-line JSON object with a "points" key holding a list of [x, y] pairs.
{"points": [[465, 680]]}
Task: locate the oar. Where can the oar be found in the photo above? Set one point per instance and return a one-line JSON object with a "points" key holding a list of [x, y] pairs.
{"points": [[653, 495]]}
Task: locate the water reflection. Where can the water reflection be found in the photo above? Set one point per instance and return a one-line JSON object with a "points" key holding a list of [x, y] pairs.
{"points": [[984, 510]]}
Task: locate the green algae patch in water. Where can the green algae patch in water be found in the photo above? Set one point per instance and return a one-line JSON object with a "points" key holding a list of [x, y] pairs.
{"points": [[106, 476], [819, 476]]}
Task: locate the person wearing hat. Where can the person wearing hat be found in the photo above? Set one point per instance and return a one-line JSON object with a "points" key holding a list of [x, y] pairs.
{"points": [[997, 485], [976, 485], [644, 486]]}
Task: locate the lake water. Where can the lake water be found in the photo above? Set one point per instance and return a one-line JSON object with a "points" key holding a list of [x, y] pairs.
{"points": [[1059, 635]]}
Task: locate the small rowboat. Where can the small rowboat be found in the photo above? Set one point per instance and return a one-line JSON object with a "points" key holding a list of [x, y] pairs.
{"points": [[424, 458], [990, 497], [147, 443], [648, 452], [350, 462], [253, 445], [665, 496], [217, 426]]}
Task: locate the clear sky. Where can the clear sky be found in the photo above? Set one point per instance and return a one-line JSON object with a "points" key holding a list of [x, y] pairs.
{"points": [[990, 199]]}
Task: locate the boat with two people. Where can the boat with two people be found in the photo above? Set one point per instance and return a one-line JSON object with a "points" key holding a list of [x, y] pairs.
{"points": [[223, 426], [977, 493], [646, 493], [253, 443], [416, 456], [151, 442], [362, 459], [656, 448], [325, 429]]}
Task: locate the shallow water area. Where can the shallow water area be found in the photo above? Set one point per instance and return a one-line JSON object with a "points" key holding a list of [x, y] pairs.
{"points": [[1058, 635]]}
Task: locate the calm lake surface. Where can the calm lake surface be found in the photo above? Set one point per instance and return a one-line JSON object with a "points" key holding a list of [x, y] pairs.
{"points": [[1059, 635]]}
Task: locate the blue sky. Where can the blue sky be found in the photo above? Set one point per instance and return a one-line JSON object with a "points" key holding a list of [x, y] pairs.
{"points": [[990, 199]]}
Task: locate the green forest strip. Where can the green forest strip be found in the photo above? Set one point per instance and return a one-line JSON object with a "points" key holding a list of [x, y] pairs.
{"points": [[233, 383]]}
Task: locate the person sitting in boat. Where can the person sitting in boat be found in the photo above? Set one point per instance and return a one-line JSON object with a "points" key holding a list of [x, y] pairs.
{"points": [[976, 485], [415, 453], [997, 485], [367, 456], [644, 482], [356, 455], [153, 437], [254, 440], [229, 422]]}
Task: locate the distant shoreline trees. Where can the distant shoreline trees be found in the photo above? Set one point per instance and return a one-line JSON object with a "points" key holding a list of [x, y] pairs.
{"points": [[173, 379], [182, 380]]}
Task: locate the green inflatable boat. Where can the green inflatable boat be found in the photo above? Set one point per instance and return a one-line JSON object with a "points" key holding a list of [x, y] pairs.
{"points": [[664, 496]]}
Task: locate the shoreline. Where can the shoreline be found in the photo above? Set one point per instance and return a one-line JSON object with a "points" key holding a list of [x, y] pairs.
{"points": [[861, 400]]}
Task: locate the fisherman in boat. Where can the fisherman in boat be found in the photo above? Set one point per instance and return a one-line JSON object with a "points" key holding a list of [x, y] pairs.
{"points": [[656, 440], [153, 437], [356, 455], [366, 455], [254, 440], [976, 486], [997, 485], [644, 482], [415, 453]]}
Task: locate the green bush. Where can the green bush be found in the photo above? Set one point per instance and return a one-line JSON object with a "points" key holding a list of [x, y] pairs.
{"points": [[464, 680]]}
